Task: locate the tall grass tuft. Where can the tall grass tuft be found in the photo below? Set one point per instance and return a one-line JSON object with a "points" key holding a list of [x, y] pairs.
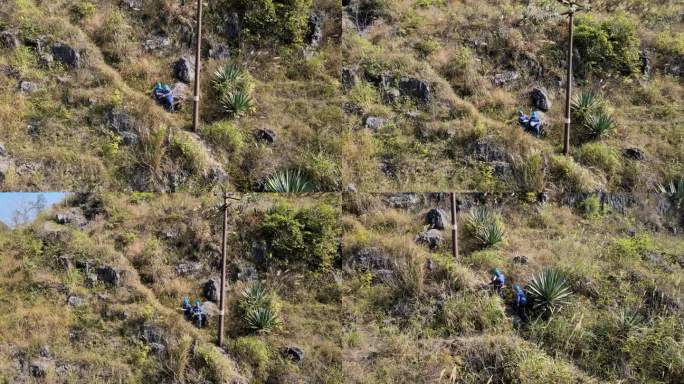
{"points": [[549, 292], [259, 310], [237, 103]]}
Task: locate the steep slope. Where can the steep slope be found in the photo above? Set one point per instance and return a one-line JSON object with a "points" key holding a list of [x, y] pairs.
{"points": [[77, 109], [433, 87]]}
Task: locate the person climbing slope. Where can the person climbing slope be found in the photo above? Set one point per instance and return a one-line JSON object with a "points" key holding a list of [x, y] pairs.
{"points": [[520, 301], [531, 123], [198, 316], [187, 308], [498, 280]]}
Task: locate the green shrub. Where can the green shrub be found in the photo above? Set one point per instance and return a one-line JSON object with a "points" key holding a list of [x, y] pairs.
{"points": [[233, 87], [674, 190], [631, 248], [288, 181], [190, 153], [225, 135], [469, 313], [268, 20], [254, 352], [590, 114], [548, 292], [657, 351], [307, 236], [608, 45], [600, 156], [572, 175], [590, 207], [486, 226]]}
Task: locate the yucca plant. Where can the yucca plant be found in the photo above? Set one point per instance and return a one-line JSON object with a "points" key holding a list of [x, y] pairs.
{"points": [[486, 226], [674, 190], [255, 296], [548, 291], [288, 181], [226, 79], [600, 124], [237, 103], [584, 104], [262, 319]]}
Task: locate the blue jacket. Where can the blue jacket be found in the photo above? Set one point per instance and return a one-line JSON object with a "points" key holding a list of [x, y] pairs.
{"points": [[499, 278], [520, 297]]}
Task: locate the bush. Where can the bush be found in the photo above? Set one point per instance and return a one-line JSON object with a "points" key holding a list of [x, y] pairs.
{"points": [[657, 351], [609, 45], [266, 20], [600, 156], [486, 226], [237, 104], [190, 153], [255, 352], [548, 292], [306, 237], [591, 116], [225, 135], [591, 206], [572, 175], [233, 87]]}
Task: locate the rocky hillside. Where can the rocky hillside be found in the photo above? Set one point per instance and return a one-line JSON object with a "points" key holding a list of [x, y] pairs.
{"points": [[354, 290], [76, 78], [432, 90], [419, 316]]}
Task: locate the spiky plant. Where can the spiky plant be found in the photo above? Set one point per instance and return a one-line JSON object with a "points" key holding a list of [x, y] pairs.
{"points": [[254, 296], [548, 291], [674, 190], [584, 104], [237, 103], [226, 79], [600, 124], [288, 181], [486, 226], [262, 319]]}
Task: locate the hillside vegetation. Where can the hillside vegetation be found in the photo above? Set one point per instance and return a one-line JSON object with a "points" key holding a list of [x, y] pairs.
{"points": [[433, 88], [77, 76], [361, 289]]}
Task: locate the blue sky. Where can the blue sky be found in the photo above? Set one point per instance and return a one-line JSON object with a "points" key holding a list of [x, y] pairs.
{"points": [[11, 201]]}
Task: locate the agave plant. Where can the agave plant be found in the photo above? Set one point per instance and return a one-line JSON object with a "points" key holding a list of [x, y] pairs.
{"points": [[674, 190], [226, 79], [262, 319], [237, 103], [584, 105], [600, 124], [548, 291], [288, 182], [485, 226], [255, 296]]}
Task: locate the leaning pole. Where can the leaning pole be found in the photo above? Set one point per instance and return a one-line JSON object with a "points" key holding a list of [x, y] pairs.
{"points": [[454, 227], [222, 302], [198, 51]]}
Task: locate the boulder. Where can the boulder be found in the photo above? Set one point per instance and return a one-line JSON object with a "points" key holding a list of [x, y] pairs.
{"points": [[314, 36], [415, 88], [351, 188], [180, 92], [75, 301], [188, 268], [520, 260], [67, 55], [45, 60], [402, 200], [216, 51], [151, 333], [391, 95], [157, 42], [37, 43], [71, 216], [211, 290], [540, 99], [265, 135], [28, 87], [349, 78], [370, 259], [121, 121], [184, 70], [8, 40], [375, 123], [259, 252], [486, 149], [157, 348], [634, 153], [501, 79], [109, 275], [436, 218], [233, 28], [130, 138], [44, 351], [133, 5], [294, 353], [246, 272], [431, 237], [40, 367]]}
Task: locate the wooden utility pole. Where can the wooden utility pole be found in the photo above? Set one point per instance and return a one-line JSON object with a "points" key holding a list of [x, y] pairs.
{"points": [[222, 302], [454, 227], [573, 8], [198, 52]]}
